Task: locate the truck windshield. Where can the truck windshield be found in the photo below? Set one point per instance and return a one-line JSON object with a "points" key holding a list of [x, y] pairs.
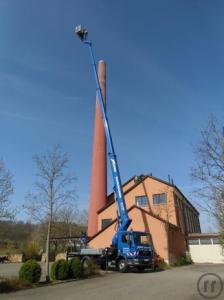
{"points": [[142, 239]]}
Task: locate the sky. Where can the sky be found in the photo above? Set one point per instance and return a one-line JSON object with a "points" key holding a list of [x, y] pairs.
{"points": [[165, 69]]}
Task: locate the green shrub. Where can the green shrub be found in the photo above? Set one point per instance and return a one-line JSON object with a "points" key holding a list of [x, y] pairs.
{"points": [[63, 270], [221, 239], [54, 268], [60, 270], [75, 268], [188, 259], [30, 271], [184, 260], [163, 265], [90, 268]]}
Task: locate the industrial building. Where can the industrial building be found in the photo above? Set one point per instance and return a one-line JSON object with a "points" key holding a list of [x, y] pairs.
{"points": [[153, 205], [206, 247]]}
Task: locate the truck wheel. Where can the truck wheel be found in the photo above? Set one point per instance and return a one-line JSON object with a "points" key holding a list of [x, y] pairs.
{"points": [[153, 268], [86, 261], [103, 265], [122, 265]]}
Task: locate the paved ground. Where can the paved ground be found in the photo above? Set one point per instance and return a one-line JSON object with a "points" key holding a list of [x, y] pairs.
{"points": [[12, 269], [177, 283], [7, 269]]}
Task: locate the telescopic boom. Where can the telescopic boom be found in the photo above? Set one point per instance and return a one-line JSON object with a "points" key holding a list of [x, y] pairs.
{"points": [[124, 220]]}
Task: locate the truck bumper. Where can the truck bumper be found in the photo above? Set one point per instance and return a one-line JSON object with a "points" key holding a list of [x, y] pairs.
{"points": [[146, 262]]}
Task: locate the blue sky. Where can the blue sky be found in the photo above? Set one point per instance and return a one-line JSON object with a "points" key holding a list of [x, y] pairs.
{"points": [[165, 72]]}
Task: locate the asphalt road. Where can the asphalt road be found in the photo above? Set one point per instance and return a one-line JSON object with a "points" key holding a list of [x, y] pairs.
{"points": [[178, 283]]}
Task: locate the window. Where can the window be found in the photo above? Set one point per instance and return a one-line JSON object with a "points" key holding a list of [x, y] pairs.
{"points": [[125, 238], [193, 242], [142, 239], [216, 241], [105, 222], [141, 201], [205, 241], [159, 198]]}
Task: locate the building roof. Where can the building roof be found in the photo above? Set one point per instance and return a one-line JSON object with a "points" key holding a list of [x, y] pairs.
{"points": [[141, 209], [139, 180], [202, 235]]}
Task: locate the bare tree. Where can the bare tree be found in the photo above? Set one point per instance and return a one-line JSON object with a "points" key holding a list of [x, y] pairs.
{"points": [[83, 217], [68, 216], [6, 189], [208, 171], [53, 191]]}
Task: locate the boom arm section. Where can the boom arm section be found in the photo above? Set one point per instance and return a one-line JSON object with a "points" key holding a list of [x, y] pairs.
{"points": [[119, 196]]}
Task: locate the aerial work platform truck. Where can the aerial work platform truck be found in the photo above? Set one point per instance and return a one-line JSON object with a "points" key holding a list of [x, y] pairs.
{"points": [[128, 248]]}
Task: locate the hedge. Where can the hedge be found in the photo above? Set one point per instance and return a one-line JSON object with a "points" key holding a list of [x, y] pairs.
{"points": [[30, 271], [75, 268], [60, 270]]}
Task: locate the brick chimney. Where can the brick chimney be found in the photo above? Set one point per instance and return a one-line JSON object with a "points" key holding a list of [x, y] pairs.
{"points": [[98, 185]]}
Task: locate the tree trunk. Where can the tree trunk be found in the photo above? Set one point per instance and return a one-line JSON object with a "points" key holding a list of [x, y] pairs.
{"points": [[48, 250]]}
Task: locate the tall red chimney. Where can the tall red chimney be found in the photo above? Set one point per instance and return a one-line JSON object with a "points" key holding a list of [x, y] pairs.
{"points": [[98, 186]]}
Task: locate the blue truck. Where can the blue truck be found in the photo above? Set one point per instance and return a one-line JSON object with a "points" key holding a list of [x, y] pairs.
{"points": [[128, 248]]}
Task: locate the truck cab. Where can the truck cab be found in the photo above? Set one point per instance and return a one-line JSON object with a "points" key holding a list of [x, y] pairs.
{"points": [[135, 249]]}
